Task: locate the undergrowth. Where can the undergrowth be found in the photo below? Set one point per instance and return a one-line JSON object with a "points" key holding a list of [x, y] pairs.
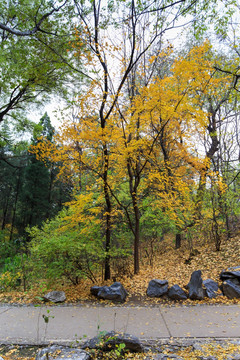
{"points": [[176, 266]]}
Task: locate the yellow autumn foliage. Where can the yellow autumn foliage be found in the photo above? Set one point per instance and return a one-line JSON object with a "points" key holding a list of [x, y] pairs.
{"points": [[155, 139]]}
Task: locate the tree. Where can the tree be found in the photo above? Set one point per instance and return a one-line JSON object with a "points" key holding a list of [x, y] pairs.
{"points": [[152, 141], [133, 21], [30, 191], [158, 132], [93, 18], [27, 19], [69, 245], [42, 195], [35, 61], [104, 99]]}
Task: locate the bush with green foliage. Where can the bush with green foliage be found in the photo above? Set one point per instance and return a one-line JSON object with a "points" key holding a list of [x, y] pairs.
{"points": [[15, 272], [64, 249]]}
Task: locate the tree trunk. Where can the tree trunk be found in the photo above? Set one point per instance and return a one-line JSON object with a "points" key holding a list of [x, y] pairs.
{"points": [[229, 233], [48, 213], [107, 274], [178, 241], [107, 270], [5, 211], [136, 238], [15, 207]]}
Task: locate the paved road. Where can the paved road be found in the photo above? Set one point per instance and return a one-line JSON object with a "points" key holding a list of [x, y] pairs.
{"points": [[25, 324]]}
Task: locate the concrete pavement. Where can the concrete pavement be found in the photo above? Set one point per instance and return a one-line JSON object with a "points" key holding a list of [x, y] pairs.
{"points": [[66, 324]]}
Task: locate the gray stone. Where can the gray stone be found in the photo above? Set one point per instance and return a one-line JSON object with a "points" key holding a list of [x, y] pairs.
{"points": [[197, 346], [211, 288], [93, 343], [62, 353], [195, 286], [230, 289], [235, 281], [111, 339], [55, 296], [231, 273], [114, 292], [177, 293], [157, 288]]}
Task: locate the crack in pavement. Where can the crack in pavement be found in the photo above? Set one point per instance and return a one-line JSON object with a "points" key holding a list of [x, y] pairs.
{"points": [[165, 323], [2, 312]]}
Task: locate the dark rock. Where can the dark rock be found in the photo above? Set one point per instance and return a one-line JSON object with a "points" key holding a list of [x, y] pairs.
{"points": [[157, 288], [231, 273], [62, 353], [112, 339], [177, 293], [95, 289], [195, 286], [211, 288], [230, 289], [114, 292], [94, 343], [55, 296], [235, 281]]}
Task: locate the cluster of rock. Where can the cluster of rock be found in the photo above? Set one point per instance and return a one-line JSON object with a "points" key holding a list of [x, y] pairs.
{"points": [[196, 289], [107, 342], [152, 351]]}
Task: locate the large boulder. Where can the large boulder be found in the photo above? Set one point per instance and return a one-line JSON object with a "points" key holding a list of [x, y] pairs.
{"points": [[112, 339], [211, 288], [231, 288], [157, 288], [114, 292], [177, 293], [231, 273], [231, 282], [62, 353], [195, 287], [55, 296]]}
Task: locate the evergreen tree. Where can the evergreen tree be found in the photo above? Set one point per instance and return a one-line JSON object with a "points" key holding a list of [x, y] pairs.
{"points": [[42, 195]]}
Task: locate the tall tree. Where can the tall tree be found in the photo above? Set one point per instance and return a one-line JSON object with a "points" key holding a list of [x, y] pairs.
{"points": [[35, 61], [132, 20], [110, 68], [30, 190], [151, 141]]}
